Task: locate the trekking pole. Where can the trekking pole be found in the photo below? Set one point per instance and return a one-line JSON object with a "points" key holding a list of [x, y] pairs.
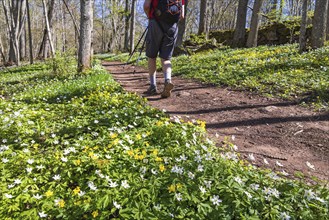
{"points": [[132, 53], [140, 54]]}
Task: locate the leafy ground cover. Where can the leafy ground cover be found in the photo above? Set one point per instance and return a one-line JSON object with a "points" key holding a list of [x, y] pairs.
{"points": [[274, 71], [79, 147]]}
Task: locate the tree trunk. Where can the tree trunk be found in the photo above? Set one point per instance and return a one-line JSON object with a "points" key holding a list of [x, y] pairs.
{"points": [[13, 24], [86, 20], [327, 28], [76, 28], [253, 34], [29, 30], [2, 53], [319, 24], [132, 25], [182, 27], [281, 9], [52, 51], [127, 18], [202, 18], [43, 51], [64, 41], [240, 27], [22, 40], [103, 28], [22, 30], [303, 25]]}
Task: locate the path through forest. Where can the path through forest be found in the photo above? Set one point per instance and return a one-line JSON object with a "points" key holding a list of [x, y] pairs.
{"points": [[283, 133]]}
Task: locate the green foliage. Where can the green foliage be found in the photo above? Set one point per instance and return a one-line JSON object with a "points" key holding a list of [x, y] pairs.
{"points": [[79, 147], [62, 64], [197, 39]]}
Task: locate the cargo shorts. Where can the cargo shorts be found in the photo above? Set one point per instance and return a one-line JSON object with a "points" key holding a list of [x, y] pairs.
{"points": [[158, 42]]}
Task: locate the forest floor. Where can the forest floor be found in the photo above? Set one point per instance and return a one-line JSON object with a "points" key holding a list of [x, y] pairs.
{"points": [[281, 132]]}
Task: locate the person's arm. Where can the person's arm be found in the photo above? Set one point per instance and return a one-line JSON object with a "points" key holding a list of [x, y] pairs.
{"points": [[183, 10], [147, 7]]}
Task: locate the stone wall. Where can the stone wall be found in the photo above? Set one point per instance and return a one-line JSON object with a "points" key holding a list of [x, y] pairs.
{"points": [[275, 34]]}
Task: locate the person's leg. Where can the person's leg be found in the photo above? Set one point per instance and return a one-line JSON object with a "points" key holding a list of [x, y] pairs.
{"points": [[152, 71], [168, 86], [167, 69], [153, 41], [166, 52]]}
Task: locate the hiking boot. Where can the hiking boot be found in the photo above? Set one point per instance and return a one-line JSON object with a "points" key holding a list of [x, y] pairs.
{"points": [[168, 86], [152, 90]]}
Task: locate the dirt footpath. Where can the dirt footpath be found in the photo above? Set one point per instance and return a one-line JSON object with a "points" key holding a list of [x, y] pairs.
{"points": [[283, 133]]}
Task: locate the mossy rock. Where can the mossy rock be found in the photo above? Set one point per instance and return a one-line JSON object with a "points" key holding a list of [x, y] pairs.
{"points": [[180, 51]]}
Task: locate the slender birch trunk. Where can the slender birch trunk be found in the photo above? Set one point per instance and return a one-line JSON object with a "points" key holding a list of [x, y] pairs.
{"points": [[302, 36], [253, 34], [52, 50], [132, 25], [182, 27], [86, 20], [127, 18], [29, 30], [2, 53]]}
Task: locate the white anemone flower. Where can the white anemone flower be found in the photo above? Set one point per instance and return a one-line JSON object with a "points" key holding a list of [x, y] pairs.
{"points": [[116, 205], [42, 215], [37, 196], [248, 195], [284, 216], [113, 184], [11, 186], [17, 181], [208, 184], [202, 189], [81, 193], [191, 175], [57, 177], [200, 168], [125, 184], [238, 180], [215, 200], [30, 161], [9, 196], [92, 186], [40, 167], [178, 196]]}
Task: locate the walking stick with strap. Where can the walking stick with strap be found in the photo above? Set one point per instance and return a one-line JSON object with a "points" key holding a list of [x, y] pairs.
{"points": [[132, 53]]}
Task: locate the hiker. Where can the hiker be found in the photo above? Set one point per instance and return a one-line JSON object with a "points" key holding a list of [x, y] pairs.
{"points": [[161, 37]]}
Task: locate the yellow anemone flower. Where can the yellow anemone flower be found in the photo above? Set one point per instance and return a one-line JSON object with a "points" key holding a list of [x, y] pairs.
{"points": [[172, 188], [49, 193], [76, 190], [61, 203], [95, 213], [162, 168]]}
